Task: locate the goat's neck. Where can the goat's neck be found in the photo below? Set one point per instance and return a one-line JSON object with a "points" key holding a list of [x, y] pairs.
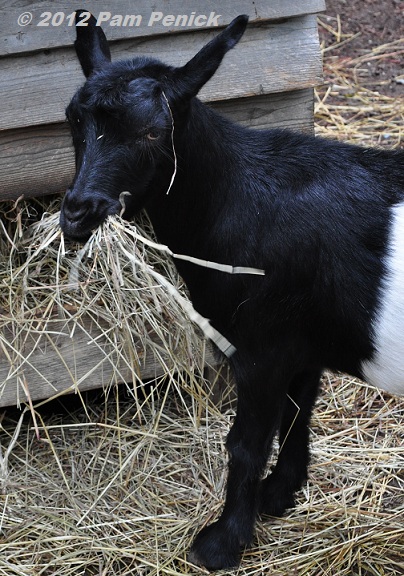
{"points": [[206, 153]]}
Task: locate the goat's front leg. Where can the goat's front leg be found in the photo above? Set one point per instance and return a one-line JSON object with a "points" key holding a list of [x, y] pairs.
{"points": [[260, 401]]}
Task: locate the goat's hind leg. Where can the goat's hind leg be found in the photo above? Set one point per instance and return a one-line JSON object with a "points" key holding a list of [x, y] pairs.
{"points": [[277, 490], [261, 397]]}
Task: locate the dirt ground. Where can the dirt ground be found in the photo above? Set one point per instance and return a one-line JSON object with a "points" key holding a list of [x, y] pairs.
{"points": [[365, 25]]}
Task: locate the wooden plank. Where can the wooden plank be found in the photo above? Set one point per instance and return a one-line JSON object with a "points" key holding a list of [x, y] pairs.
{"points": [[15, 38], [293, 110], [39, 161], [36, 89], [35, 161], [56, 362]]}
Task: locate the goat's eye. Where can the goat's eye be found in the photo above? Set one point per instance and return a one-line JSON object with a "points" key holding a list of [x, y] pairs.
{"points": [[152, 135]]}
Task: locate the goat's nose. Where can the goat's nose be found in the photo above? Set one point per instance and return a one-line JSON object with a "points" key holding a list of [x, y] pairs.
{"points": [[73, 209]]}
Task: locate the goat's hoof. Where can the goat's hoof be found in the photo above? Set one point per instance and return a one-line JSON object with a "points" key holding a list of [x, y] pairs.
{"points": [[274, 498], [215, 549], [276, 507]]}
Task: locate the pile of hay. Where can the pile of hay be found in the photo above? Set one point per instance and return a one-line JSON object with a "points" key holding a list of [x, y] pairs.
{"points": [[118, 484], [118, 291], [124, 293]]}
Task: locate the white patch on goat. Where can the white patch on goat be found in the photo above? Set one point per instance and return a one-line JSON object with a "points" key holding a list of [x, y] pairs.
{"points": [[386, 369]]}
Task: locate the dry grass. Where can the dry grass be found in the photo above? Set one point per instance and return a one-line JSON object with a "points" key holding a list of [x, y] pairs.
{"points": [[104, 493], [345, 108], [125, 293], [119, 483]]}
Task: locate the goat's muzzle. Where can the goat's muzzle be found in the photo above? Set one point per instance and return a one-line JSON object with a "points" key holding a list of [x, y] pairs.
{"points": [[78, 216]]}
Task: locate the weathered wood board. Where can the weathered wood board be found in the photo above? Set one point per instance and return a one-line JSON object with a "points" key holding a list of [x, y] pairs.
{"points": [[35, 161], [57, 362], [15, 38], [263, 62]]}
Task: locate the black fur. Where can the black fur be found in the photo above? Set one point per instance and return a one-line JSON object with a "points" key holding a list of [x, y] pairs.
{"points": [[313, 214]]}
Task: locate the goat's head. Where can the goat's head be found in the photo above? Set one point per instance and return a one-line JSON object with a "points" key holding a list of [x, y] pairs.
{"points": [[122, 124]]}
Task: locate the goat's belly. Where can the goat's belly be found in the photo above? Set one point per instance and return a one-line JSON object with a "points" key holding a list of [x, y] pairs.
{"points": [[386, 369]]}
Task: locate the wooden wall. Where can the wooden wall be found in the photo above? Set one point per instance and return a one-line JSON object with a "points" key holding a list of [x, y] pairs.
{"points": [[267, 80]]}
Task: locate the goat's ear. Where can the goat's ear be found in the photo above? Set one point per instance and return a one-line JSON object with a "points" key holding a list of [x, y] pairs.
{"points": [[91, 44], [203, 65]]}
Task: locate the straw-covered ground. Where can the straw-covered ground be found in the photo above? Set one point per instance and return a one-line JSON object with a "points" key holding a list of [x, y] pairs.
{"points": [[118, 483]]}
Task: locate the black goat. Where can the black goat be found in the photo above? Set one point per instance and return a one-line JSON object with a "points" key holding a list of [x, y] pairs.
{"points": [[323, 219]]}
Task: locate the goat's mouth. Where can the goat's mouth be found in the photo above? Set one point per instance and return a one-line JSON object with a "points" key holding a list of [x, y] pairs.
{"points": [[75, 231], [80, 227]]}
